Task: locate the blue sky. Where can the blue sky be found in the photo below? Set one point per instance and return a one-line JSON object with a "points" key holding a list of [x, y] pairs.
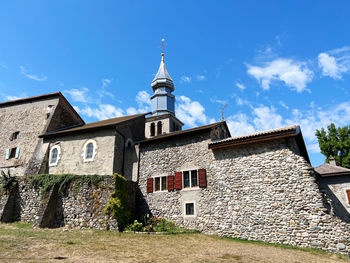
{"points": [[275, 63]]}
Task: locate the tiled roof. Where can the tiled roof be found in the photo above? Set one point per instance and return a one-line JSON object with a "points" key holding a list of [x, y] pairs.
{"points": [[92, 125], [294, 128], [326, 169], [184, 132], [55, 94]]}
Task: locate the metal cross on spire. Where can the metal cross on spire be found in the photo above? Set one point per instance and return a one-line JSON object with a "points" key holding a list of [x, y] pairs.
{"points": [[162, 46]]}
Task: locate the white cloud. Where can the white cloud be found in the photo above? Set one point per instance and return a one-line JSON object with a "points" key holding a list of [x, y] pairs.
{"points": [[32, 76], [13, 97], [186, 79], [106, 82], [239, 125], [240, 86], [104, 111], [283, 104], [190, 112], [143, 100], [293, 74], [131, 111], [79, 95], [266, 118], [200, 77], [335, 63]]}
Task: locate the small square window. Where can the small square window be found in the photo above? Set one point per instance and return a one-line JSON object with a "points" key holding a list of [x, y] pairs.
{"points": [[190, 209]]}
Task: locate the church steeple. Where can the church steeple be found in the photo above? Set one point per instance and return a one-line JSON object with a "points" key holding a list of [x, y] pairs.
{"points": [[162, 101], [163, 118]]}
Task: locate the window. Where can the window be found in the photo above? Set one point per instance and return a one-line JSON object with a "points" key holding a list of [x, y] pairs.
{"points": [[14, 136], [160, 184], [189, 209], [348, 195], [159, 128], [54, 155], [190, 178], [89, 150], [12, 153], [153, 129]]}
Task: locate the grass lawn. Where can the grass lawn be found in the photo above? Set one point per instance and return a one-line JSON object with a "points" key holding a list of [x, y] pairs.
{"points": [[19, 242]]}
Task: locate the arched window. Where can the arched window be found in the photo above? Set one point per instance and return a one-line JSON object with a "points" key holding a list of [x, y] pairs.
{"points": [[89, 151], [153, 129], [159, 128], [54, 155]]}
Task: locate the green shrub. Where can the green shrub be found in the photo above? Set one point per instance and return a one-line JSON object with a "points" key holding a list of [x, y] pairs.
{"points": [[136, 226], [117, 204]]}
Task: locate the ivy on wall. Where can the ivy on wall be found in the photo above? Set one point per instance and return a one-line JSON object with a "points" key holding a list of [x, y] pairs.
{"points": [[117, 204], [47, 181]]}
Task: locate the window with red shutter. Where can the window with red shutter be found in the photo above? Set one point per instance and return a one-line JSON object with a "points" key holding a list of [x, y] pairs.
{"points": [[178, 180], [348, 194], [202, 173], [150, 185], [171, 180]]}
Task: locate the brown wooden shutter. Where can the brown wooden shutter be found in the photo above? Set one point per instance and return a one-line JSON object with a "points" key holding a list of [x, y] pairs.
{"points": [[202, 174], [178, 180], [150, 185], [171, 180], [348, 194]]}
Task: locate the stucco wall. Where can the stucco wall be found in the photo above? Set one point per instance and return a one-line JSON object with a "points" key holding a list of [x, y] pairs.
{"points": [[261, 192], [71, 157], [30, 119]]}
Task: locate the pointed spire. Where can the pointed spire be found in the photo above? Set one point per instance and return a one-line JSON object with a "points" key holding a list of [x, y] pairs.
{"points": [[162, 78]]}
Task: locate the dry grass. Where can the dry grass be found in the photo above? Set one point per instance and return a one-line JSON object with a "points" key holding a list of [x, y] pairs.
{"points": [[20, 243]]}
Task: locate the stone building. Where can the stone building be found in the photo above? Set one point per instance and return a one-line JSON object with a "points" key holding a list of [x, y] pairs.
{"points": [[22, 121], [258, 186], [334, 183]]}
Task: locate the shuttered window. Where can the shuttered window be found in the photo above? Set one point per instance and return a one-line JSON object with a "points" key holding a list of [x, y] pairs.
{"points": [[171, 181], [149, 185]]}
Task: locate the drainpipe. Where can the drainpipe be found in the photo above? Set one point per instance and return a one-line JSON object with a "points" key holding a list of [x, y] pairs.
{"points": [[123, 149]]}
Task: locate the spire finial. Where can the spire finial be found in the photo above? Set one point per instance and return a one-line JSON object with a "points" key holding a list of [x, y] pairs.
{"points": [[162, 46]]}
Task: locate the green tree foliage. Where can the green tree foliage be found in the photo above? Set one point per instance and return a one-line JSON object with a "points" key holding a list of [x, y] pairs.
{"points": [[117, 204], [335, 142]]}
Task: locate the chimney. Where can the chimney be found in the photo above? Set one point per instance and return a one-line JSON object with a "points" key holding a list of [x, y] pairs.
{"points": [[332, 161]]}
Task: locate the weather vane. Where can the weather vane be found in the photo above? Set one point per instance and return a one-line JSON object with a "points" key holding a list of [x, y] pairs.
{"points": [[221, 109], [163, 45]]}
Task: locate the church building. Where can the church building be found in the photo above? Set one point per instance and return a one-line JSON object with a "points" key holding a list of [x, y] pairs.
{"points": [[258, 186]]}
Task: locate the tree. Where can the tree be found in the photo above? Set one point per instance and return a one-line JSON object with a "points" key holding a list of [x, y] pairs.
{"points": [[335, 142]]}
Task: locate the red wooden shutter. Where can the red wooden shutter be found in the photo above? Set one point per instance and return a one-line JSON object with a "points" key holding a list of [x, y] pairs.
{"points": [[171, 179], [178, 180], [202, 173], [150, 185], [348, 194]]}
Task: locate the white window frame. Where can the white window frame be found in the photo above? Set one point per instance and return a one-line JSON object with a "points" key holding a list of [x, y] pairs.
{"points": [[58, 155], [85, 150], [160, 184], [190, 178], [194, 209]]}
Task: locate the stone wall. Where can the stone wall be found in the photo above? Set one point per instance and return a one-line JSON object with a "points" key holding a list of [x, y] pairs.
{"points": [[264, 191], [30, 119], [78, 208]]}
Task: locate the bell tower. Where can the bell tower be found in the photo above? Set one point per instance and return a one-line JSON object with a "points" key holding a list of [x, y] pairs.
{"points": [[163, 118]]}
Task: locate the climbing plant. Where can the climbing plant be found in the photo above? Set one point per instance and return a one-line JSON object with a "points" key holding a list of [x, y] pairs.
{"points": [[47, 181], [117, 204]]}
